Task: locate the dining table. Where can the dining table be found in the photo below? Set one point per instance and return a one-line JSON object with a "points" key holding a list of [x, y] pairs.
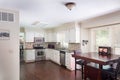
{"points": [[95, 57]]}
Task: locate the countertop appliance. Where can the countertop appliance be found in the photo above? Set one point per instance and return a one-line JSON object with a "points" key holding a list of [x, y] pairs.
{"points": [[39, 40], [62, 58], [39, 48]]}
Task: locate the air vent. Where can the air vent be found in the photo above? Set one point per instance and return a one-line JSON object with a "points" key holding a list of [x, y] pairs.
{"points": [[4, 16]]}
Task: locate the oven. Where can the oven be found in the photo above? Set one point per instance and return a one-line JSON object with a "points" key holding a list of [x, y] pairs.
{"points": [[39, 54]]}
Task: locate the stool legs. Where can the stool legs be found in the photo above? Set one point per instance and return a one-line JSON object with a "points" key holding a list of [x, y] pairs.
{"points": [[82, 71]]}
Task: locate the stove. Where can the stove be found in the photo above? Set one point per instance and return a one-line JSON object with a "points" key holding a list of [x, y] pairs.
{"points": [[39, 48], [39, 54]]}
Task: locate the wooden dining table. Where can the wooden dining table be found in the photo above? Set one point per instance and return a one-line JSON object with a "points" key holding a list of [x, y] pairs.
{"points": [[100, 59]]}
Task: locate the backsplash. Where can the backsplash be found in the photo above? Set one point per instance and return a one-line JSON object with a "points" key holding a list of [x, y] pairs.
{"points": [[74, 46], [71, 46], [29, 45], [56, 45]]}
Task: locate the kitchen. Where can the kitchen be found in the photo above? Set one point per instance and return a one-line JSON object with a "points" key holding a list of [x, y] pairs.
{"points": [[61, 28], [49, 47]]}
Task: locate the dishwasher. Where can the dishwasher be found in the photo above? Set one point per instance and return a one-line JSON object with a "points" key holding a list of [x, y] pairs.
{"points": [[62, 58]]}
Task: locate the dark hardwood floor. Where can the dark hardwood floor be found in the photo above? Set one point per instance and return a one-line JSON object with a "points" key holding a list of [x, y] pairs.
{"points": [[46, 70]]}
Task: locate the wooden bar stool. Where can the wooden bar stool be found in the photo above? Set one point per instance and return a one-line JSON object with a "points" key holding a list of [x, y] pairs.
{"points": [[79, 62]]}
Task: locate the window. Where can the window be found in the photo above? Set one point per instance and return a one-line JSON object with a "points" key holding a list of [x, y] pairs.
{"points": [[101, 38], [105, 36]]}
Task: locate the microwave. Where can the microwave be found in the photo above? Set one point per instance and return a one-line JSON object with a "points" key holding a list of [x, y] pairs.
{"points": [[38, 39]]}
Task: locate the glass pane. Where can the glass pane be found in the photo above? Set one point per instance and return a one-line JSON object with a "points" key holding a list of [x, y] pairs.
{"points": [[4, 16], [102, 38]]}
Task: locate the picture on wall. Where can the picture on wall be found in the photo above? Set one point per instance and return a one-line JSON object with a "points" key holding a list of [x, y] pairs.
{"points": [[4, 34]]}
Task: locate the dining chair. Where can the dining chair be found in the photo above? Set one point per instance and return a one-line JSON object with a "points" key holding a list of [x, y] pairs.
{"points": [[111, 73], [79, 62]]}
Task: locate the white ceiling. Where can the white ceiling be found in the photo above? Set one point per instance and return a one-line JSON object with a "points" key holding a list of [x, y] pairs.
{"points": [[53, 12]]}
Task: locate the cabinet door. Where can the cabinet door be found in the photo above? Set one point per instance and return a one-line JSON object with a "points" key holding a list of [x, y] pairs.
{"points": [[47, 54], [70, 61], [67, 35], [29, 37], [46, 37], [51, 54], [54, 37], [72, 34], [29, 55], [57, 57]]}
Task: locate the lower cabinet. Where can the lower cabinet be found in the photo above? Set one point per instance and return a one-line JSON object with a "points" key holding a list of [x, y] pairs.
{"points": [[56, 55], [47, 53], [53, 55], [70, 61], [29, 55]]}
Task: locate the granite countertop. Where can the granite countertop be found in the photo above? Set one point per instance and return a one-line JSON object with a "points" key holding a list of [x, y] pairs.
{"points": [[59, 49], [66, 50]]}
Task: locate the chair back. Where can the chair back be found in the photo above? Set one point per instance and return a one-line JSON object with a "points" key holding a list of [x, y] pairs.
{"points": [[117, 71], [77, 51]]}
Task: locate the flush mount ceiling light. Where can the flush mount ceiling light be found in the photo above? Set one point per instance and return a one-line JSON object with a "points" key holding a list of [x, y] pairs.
{"points": [[70, 5], [35, 23]]}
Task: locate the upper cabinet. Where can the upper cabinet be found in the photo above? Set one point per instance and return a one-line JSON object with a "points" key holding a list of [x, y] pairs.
{"points": [[72, 34], [69, 32], [29, 37], [50, 35], [31, 33]]}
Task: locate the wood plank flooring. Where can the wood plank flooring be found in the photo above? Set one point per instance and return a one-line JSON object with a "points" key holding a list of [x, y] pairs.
{"points": [[46, 70]]}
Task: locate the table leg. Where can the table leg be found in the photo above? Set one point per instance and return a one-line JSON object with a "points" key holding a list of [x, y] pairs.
{"points": [[100, 66]]}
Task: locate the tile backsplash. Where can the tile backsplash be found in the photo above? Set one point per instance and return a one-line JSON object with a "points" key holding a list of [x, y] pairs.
{"points": [[29, 45], [57, 45], [71, 46], [74, 46]]}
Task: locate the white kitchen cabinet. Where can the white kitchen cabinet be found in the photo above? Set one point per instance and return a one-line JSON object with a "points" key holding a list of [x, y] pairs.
{"points": [[37, 34], [53, 55], [48, 36], [54, 37], [29, 55], [51, 35], [48, 53], [67, 35], [72, 35], [56, 55], [29, 37], [70, 61]]}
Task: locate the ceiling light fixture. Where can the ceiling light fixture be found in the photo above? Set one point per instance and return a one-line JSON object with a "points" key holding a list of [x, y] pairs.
{"points": [[70, 5]]}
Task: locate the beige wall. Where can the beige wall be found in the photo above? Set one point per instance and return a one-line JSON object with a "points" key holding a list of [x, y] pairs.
{"points": [[107, 19], [84, 34], [9, 49]]}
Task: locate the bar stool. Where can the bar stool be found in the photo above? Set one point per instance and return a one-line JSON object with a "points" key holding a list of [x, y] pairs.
{"points": [[79, 62]]}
